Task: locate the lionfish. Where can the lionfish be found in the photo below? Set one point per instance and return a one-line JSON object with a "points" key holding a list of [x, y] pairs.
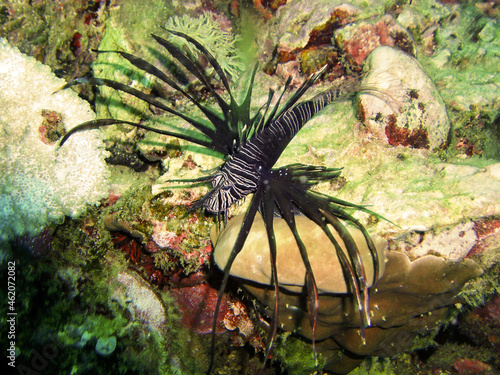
{"points": [[251, 145]]}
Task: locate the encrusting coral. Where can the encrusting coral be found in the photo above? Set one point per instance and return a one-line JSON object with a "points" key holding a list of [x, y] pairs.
{"points": [[410, 298], [254, 260], [39, 184]]}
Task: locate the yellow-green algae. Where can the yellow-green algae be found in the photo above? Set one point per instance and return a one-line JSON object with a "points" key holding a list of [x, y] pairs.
{"points": [[408, 186]]}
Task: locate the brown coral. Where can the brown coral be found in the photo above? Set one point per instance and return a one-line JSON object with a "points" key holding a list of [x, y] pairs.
{"points": [[411, 298]]}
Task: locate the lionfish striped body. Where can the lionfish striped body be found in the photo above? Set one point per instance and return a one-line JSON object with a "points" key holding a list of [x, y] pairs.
{"points": [[250, 146], [252, 163]]}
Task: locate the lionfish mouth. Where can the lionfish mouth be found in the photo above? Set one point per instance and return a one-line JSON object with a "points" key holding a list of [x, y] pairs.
{"points": [[250, 153]]}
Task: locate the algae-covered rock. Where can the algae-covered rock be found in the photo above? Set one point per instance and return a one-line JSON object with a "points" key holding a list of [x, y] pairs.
{"points": [[60, 34], [414, 115], [411, 187], [358, 40], [297, 20]]}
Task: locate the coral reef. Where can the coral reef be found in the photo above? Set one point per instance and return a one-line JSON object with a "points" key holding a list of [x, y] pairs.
{"points": [[411, 299], [340, 35], [158, 233], [60, 35], [40, 184], [130, 278]]}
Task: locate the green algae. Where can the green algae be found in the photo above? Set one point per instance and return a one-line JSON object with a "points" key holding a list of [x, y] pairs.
{"points": [[297, 357], [59, 34], [93, 245], [128, 209], [465, 69], [112, 103], [465, 63], [478, 291], [446, 355], [75, 287], [76, 312], [477, 132], [376, 366]]}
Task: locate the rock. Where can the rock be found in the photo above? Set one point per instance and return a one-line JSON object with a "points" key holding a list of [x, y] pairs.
{"points": [[453, 244], [143, 304], [296, 21], [482, 325], [465, 63], [105, 345], [467, 366], [196, 305], [358, 40], [410, 112]]}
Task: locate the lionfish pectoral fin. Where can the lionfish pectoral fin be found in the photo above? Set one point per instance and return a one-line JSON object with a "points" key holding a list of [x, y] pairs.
{"points": [[238, 246], [267, 209], [76, 81], [94, 124], [312, 305], [288, 212], [88, 125], [355, 274], [319, 209], [213, 140]]}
